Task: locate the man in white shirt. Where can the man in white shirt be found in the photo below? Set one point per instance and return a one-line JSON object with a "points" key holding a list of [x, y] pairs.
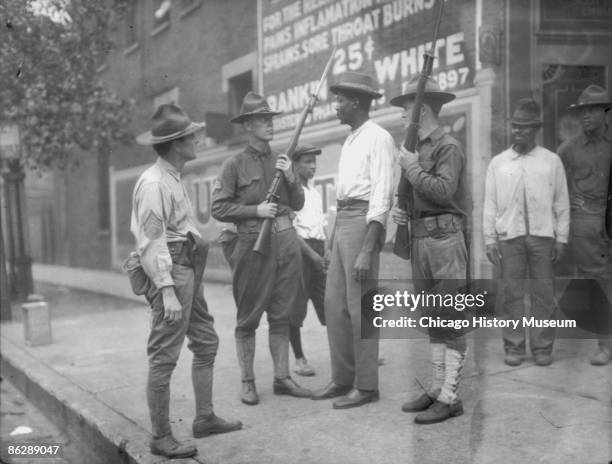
{"points": [[364, 194], [309, 223], [173, 256], [526, 228]]}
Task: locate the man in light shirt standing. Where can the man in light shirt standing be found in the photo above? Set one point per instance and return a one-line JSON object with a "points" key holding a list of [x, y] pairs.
{"points": [[173, 256], [526, 228], [309, 223], [364, 195]]}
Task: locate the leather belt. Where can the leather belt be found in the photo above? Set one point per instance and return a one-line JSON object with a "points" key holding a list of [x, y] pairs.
{"points": [[352, 203], [436, 226], [252, 226]]}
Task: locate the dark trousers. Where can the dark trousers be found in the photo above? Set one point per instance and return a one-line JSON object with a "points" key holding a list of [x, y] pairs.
{"points": [[439, 265], [265, 283], [526, 266], [592, 259], [354, 361], [312, 288]]}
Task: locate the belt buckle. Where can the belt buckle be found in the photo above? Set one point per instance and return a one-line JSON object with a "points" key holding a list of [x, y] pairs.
{"points": [[431, 223]]}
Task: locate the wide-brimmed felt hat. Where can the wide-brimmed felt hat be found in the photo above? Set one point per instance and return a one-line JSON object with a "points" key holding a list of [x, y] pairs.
{"points": [[593, 95], [254, 105], [356, 82], [432, 91], [169, 122], [527, 113], [305, 150]]}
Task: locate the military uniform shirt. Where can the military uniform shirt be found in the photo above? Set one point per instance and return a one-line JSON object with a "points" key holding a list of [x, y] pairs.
{"points": [[437, 179], [587, 164], [243, 184], [161, 213]]}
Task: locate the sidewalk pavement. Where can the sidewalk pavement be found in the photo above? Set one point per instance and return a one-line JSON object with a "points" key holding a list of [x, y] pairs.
{"points": [[93, 376]]}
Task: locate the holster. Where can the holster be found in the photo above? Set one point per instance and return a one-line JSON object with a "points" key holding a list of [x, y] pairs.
{"points": [[199, 254]]}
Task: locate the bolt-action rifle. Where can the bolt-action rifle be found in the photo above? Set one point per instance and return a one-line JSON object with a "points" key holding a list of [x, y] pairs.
{"points": [[261, 245], [401, 246]]}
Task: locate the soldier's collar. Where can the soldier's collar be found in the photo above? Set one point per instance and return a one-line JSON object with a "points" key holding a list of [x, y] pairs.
{"points": [[251, 150]]}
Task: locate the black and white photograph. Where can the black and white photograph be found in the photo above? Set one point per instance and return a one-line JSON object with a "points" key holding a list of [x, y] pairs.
{"points": [[306, 231]]}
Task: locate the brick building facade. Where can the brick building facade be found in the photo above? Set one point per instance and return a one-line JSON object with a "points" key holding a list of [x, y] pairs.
{"points": [[206, 54]]}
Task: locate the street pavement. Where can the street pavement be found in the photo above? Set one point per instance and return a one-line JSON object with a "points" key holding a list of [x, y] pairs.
{"points": [[97, 367]]}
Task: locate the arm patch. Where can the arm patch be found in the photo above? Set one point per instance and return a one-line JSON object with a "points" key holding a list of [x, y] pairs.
{"points": [[153, 226]]}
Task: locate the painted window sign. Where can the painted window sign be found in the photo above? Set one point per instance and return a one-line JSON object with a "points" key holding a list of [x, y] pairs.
{"points": [[385, 38]]}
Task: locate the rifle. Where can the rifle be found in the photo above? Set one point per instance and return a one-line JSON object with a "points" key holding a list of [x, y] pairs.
{"points": [[401, 246], [261, 245]]}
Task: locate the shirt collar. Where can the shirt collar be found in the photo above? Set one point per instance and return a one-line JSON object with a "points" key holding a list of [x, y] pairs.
{"points": [[169, 168], [251, 150], [517, 155], [591, 138], [436, 134]]}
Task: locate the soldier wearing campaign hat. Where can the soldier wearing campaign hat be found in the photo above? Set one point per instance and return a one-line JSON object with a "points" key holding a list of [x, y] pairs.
{"points": [[364, 194], [267, 283], [587, 158], [438, 209], [172, 256]]}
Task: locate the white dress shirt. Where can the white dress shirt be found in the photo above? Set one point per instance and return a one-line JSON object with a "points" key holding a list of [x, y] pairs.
{"points": [[534, 181], [310, 221], [161, 213], [365, 170]]}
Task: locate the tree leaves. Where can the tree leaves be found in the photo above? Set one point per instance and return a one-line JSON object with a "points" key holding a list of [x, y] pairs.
{"points": [[49, 83]]}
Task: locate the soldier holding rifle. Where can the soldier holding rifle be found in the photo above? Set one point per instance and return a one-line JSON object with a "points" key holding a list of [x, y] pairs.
{"points": [[261, 282], [438, 208]]}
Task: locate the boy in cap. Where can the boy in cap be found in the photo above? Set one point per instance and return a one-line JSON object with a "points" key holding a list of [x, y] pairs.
{"points": [[438, 208], [587, 158], [261, 283], [364, 193], [173, 255], [526, 227], [309, 222]]}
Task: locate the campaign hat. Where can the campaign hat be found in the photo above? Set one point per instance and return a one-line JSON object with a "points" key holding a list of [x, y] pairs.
{"points": [[432, 92], [593, 95], [169, 122], [253, 104], [356, 82]]}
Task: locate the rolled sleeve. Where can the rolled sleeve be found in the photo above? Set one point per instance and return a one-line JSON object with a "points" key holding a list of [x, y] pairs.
{"points": [[381, 177]]}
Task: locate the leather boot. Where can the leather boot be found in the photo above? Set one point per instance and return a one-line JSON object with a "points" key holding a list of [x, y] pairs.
{"points": [[204, 426], [439, 412], [422, 403], [249, 393], [279, 349], [169, 447], [288, 386]]}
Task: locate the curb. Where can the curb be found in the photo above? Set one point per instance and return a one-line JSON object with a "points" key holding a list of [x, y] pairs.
{"points": [[106, 434]]}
